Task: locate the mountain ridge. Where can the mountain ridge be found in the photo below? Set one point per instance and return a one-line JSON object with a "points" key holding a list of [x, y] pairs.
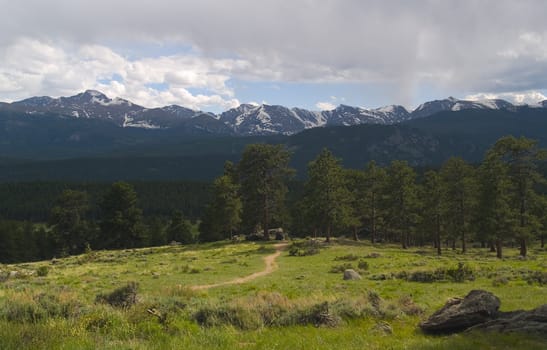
{"points": [[244, 120]]}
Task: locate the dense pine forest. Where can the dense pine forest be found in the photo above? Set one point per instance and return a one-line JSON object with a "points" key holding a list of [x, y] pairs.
{"points": [[496, 203]]}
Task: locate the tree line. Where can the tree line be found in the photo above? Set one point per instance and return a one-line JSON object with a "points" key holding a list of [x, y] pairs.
{"points": [[119, 223], [498, 202]]}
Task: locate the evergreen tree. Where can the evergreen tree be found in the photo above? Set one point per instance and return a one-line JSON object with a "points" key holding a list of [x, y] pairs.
{"points": [[263, 173], [223, 214], [401, 200], [432, 207], [458, 198], [355, 183], [374, 182], [179, 229], [326, 192], [496, 220], [67, 220], [121, 218], [522, 155]]}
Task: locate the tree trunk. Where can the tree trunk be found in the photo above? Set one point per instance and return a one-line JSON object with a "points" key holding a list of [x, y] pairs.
{"points": [[523, 248], [355, 236], [328, 234], [438, 234], [492, 246], [542, 238], [403, 240], [453, 244], [483, 244], [266, 219], [373, 233], [499, 253], [464, 247]]}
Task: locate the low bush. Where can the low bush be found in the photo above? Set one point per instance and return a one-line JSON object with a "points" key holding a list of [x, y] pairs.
{"points": [[341, 268], [539, 277], [363, 265], [460, 273], [123, 297], [42, 271], [349, 257], [305, 248]]}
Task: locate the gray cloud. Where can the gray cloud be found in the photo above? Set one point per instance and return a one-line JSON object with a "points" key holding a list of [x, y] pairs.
{"points": [[460, 45]]}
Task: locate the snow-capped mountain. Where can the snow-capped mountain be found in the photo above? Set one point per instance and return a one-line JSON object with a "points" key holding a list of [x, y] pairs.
{"points": [[246, 119], [348, 115], [453, 104], [88, 104]]}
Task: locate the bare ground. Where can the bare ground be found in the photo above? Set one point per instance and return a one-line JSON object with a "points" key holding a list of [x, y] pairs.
{"points": [[269, 261]]}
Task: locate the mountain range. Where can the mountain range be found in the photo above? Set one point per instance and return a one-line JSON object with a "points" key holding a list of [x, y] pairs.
{"points": [[244, 120]]}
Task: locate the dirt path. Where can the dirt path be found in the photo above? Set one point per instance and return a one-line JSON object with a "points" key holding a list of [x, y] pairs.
{"points": [[271, 266]]}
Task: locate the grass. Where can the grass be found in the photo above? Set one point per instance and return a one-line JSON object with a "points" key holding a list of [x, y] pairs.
{"points": [[302, 305]]}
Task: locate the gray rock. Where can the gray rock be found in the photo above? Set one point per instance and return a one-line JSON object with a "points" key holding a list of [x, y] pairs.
{"points": [[533, 321], [458, 314], [351, 274]]}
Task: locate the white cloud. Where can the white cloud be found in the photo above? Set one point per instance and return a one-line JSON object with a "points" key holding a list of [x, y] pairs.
{"points": [[526, 97], [325, 106], [31, 67], [487, 45]]}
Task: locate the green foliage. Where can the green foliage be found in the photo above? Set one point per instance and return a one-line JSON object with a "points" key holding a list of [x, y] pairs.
{"points": [[401, 200], [458, 198], [460, 273], [340, 268], [223, 214], [305, 248], [179, 229], [122, 297], [42, 271], [263, 174], [121, 219], [67, 220], [326, 195]]}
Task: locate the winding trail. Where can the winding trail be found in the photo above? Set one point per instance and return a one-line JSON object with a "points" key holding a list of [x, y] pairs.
{"points": [[271, 266]]}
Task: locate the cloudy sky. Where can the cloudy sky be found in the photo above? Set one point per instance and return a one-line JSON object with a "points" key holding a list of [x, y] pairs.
{"points": [[215, 54]]}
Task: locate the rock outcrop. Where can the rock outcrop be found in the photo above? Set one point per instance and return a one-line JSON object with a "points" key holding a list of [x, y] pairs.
{"points": [[458, 314], [351, 274], [478, 310], [532, 322]]}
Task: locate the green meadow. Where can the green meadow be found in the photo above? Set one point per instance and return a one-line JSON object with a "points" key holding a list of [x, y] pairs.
{"points": [[79, 302]]}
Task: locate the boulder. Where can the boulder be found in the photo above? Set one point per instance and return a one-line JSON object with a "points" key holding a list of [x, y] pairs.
{"points": [[351, 274], [458, 314], [532, 322]]}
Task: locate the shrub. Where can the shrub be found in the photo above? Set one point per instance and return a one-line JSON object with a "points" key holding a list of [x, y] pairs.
{"points": [[42, 271], [500, 281], [123, 297], [363, 265], [341, 268], [236, 316], [408, 307], [349, 257], [319, 315], [461, 273], [539, 277], [304, 248]]}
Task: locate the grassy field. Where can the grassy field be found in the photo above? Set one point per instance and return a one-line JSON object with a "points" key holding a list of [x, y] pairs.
{"points": [[304, 304]]}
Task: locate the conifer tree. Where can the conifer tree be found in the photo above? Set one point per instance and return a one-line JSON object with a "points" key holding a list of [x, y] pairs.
{"points": [[431, 197], [401, 200], [458, 198], [263, 173], [326, 192]]}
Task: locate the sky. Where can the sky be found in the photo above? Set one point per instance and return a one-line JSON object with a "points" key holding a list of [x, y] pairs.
{"points": [[213, 55]]}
